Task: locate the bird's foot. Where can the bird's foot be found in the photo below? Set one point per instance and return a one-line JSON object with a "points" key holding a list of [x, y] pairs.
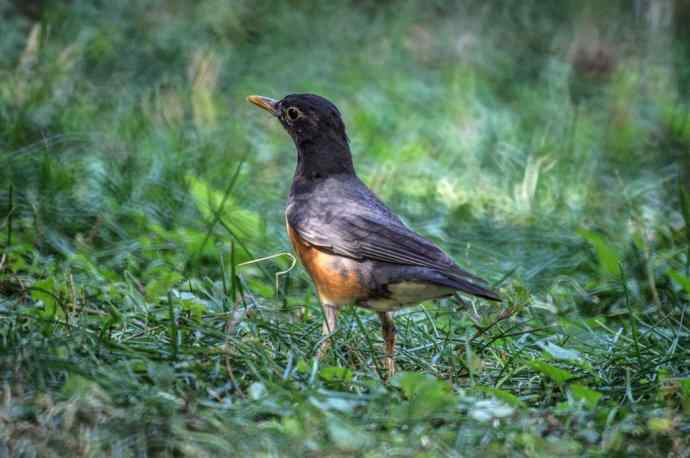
{"points": [[324, 346], [389, 366]]}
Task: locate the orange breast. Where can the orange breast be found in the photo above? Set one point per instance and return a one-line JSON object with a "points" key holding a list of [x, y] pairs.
{"points": [[335, 277]]}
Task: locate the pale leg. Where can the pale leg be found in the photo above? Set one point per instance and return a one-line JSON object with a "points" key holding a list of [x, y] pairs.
{"points": [[388, 328], [330, 314]]}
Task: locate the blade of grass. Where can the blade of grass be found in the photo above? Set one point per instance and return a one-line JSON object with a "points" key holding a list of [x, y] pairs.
{"points": [[217, 212], [173, 327], [685, 210], [370, 345], [633, 321], [244, 247], [10, 211], [223, 276], [233, 272]]}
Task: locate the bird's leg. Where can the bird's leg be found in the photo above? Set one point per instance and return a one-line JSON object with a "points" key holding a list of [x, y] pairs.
{"points": [[330, 313], [388, 328]]}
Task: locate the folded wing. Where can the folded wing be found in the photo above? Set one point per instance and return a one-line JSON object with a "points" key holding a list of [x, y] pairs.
{"points": [[364, 228]]}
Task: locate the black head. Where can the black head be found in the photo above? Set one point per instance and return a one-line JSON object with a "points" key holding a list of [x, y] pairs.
{"points": [[315, 125]]}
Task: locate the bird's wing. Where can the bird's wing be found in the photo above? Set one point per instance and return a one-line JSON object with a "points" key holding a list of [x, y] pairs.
{"points": [[366, 229]]}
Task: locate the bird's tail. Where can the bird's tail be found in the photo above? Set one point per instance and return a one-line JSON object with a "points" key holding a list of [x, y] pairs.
{"points": [[472, 287]]}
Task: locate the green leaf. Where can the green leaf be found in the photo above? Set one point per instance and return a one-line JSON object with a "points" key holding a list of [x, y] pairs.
{"points": [[46, 291], [685, 394], [334, 403], [660, 425], [589, 396], [558, 352], [114, 317], [685, 387], [193, 307], [488, 409], [243, 222], [76, 385], [348, 436], [682, 280], [335, 374], [257, 390], [410, 382], [505, 396], [556, 374], [191, 240], [162, 283], [685, 210], [302, 366], [426, 394], [607, 255]]}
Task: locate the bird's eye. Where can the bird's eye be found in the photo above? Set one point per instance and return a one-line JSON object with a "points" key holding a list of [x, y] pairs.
{"points": [[292, 113]]}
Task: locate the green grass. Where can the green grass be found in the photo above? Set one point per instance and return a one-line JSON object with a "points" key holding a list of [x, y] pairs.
{"points": [[136, 183]]}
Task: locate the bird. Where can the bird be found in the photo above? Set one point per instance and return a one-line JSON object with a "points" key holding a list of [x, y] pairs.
{"points": [[356, 250]]}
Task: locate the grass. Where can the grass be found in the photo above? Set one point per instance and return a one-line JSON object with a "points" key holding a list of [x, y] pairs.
{"points": [[136, 185]]}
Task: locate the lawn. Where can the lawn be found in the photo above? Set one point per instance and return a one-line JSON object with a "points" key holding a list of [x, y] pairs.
{"points": [[147, 301]]}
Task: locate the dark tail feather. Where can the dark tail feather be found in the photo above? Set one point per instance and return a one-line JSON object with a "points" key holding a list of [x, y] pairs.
{"points": [[468, 287]]}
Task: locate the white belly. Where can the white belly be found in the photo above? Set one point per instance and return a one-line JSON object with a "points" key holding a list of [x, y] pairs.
{"points": [[409, 293]]}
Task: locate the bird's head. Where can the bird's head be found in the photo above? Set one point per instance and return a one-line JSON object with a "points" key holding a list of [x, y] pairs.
{"points": [[304, 116], [315, 125]]}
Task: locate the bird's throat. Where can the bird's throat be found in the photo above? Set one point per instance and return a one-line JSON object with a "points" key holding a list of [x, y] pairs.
{"points": [[322, 157]]}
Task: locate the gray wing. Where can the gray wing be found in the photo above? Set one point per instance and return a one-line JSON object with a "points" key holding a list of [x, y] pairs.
{"points": [[352, 222]]}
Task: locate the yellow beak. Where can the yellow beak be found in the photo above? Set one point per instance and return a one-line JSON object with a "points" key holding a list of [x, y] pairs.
{"points": [[266, 103]]}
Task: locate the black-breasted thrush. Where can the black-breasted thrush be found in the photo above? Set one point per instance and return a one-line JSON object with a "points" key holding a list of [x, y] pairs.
{"points": [[356, 250]]}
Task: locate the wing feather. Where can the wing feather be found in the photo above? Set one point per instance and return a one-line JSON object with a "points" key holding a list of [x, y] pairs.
{"points": [[361, 227]]}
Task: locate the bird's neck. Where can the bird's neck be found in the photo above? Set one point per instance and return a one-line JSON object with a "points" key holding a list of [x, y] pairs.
{"points": [[322, 157]]}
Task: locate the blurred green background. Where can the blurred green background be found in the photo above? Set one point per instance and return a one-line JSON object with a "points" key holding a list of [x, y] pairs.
{"points": [[545, 145]]}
